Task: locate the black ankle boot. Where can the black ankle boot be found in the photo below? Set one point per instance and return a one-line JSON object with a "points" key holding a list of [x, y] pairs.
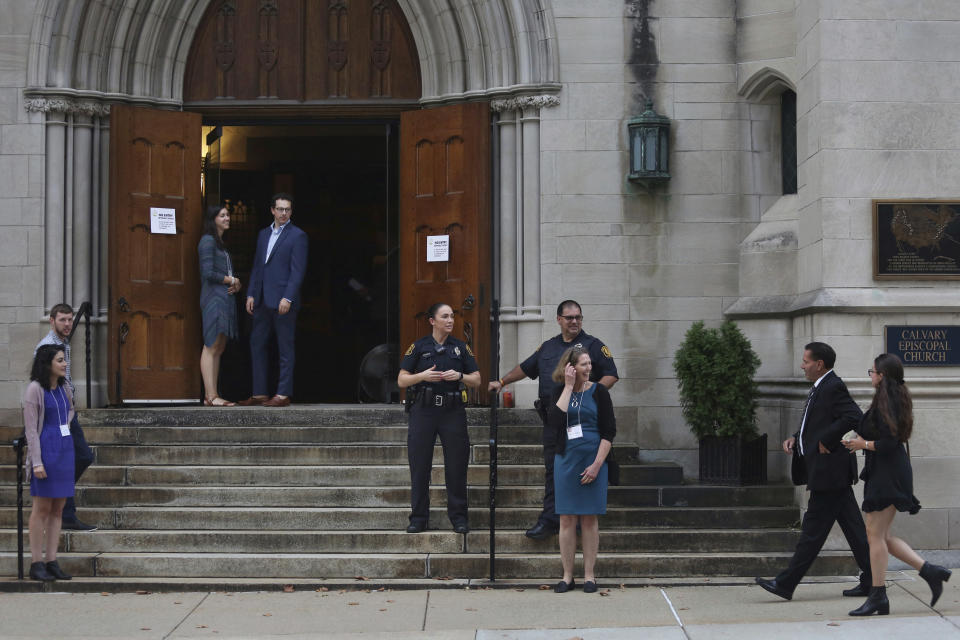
{"points": [[876, 603], [38, 571], [935, 575], [53, 568]]}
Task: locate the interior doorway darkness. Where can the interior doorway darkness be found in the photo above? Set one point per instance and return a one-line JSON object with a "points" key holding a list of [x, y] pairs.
{"points": [[342, 178]]}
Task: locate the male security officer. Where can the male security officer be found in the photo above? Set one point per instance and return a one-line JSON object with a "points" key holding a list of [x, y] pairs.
{"points": [[541, 364]]}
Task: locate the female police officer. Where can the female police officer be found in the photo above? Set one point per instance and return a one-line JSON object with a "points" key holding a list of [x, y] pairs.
{"points": [[437, 366]]}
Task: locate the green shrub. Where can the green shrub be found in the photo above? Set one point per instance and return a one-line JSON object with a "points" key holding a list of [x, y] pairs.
{"points": [[715, 369]]}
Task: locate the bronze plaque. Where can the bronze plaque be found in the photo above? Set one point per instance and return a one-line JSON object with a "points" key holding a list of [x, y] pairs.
{"points": [[916, 239]]}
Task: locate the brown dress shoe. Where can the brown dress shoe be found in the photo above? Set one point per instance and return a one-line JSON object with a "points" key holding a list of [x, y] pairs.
{"points": [[278, 401], [253, 401]]}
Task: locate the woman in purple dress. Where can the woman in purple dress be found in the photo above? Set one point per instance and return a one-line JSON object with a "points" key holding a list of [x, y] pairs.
{"points": [[47, 412]]}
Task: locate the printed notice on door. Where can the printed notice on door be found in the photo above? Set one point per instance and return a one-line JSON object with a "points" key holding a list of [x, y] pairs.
{"points": [[438, 248], [163, 220]]}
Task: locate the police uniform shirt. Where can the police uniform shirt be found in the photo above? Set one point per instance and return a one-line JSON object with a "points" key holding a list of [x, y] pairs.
{"points": [[544, 360], [452, 354]]}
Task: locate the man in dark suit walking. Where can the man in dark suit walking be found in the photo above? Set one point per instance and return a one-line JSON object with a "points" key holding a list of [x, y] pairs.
{"points": [[829, 413], [273, 299]]}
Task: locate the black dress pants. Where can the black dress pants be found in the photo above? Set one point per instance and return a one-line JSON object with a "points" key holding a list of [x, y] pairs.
{"points": [[426, 423], [823, 509]]}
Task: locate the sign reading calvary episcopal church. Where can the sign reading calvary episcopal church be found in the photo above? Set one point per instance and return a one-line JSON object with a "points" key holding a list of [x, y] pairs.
{"points": [[924, 346]]}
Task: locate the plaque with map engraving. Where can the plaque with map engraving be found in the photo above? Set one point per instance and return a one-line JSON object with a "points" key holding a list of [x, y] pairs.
{"points": [[916, 239]]}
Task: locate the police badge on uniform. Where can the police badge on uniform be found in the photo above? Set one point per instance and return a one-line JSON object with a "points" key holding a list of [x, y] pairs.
{"points": [[456, 351]]}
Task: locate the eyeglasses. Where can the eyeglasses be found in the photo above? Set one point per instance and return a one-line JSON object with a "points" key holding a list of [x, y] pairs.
{"points": [[283, 209], [870, 372], [572, 318]]}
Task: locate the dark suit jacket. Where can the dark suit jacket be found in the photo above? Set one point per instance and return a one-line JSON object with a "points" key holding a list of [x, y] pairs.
{"points": [[830, 414], [283, 273]]}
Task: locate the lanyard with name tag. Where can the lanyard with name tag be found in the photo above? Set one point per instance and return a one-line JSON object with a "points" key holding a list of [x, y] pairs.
{"points": [[575, 431], [64, 425]]}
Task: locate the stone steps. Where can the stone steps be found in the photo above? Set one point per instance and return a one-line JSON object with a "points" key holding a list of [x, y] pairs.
{"points": [[324, 541], [322, 493], [395, 518], [634, 474], [366, 453], [378, 497], [321, 566]]}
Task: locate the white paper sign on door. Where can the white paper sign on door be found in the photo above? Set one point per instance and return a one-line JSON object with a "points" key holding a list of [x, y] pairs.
{"points": [[163, 220], [438, 248]]}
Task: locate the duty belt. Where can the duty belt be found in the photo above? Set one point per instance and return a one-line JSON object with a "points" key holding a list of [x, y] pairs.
{"points": [[449, 399]]}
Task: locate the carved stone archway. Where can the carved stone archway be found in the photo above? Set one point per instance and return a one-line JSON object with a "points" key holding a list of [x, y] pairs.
{"points": [[85, 55]]}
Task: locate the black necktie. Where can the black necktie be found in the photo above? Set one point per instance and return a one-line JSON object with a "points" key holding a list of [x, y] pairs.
{"points": [[803, 416]]}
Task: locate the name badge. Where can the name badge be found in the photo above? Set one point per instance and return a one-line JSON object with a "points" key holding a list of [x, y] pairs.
{"points": [[574, 431], [64, 430]]}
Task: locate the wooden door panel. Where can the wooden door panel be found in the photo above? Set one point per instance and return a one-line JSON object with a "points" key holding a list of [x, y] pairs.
{"points": [[445, 190], [154, 279]]}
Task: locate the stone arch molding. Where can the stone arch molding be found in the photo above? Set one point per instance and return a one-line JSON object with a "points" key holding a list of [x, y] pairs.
{"points": [[84, 54]]}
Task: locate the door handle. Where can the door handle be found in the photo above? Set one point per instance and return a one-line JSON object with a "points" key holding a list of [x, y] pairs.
{"points": [[469, 302], [123, 304]]}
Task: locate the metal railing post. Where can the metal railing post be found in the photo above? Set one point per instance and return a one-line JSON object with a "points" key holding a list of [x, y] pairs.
{"points": [[494, 424], [18, 444]]}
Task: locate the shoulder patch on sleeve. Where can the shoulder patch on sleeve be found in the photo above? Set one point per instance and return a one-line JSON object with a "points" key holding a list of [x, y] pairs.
{"points": [[410, 350], [469, 350], [605, 350]]}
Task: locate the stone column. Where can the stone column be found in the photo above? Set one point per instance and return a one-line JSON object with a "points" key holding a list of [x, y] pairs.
{"points": [[54, 208], [84, 184], [519, 171]]}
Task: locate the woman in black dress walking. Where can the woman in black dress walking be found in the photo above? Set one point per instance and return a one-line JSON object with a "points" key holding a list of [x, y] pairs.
{"points": [[883, 434]]}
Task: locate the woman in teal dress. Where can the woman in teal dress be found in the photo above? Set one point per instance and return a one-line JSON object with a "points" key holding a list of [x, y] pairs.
{"points": [[582, 415], [217, 305]]}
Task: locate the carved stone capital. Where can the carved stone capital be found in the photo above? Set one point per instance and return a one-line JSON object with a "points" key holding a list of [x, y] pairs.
{"points": [[43, 104], [525, 102]]}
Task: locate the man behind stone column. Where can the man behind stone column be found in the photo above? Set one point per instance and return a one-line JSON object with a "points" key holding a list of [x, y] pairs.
{"points": [[828, 414], [541, 364], [61, 321]]}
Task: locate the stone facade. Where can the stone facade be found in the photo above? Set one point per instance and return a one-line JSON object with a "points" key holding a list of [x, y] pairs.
{"points": [[876, 86]]}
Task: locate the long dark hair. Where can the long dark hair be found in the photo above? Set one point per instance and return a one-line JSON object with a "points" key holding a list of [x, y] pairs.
{"points": [[42, 364], [210, 224], [892, 401]]}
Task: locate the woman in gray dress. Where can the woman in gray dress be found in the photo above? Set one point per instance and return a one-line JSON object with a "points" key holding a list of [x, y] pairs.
{"points": [[219, 310]]}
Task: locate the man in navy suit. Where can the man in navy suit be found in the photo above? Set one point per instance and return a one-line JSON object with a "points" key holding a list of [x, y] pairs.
{"points": [[829, 470], [273, 299]]}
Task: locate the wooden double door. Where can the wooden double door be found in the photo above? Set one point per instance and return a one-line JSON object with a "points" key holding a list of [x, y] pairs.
{"points": [[156, 222]]}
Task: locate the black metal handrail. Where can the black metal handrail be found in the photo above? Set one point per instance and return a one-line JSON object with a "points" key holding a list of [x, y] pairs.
{"points": [[85, 310], [494, 423], [18, 446]]}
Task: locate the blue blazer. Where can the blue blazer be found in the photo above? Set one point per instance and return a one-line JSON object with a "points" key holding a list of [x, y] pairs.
{"points": [[283, 273]]}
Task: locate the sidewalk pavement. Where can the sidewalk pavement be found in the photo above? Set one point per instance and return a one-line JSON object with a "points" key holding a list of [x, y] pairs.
{"points": [[692, 609]]}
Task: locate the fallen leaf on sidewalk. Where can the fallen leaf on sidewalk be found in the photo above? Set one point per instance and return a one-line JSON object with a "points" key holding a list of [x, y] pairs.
{"points": [[268, 615], [391, 601], [323, 589], [576, 638], [833, 624], [143, 592], [201, 626], [544, 587], [605, 593], [177, 603], [469, 609], [382, 589], [288, 588], [145, 629], [353, 604], [444, 578], [382, 609], [519, 590], [104, 593], [361, 578]]}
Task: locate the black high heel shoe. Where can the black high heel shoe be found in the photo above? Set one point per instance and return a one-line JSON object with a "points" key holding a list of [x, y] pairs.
{"points": [[935, 575], [876, 603]]}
